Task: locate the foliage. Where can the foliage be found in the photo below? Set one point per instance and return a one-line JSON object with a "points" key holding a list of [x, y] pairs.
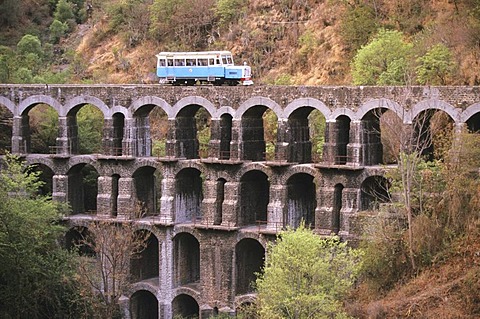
{"points": [[90, 129], [35, 273], [43, 128], [359, 23], [306, 276], [130, 18], [57, 30], [270, 125], [64, 11], [317, 125], [436, 66], [228, 11], [383, 61], [30, 44]]}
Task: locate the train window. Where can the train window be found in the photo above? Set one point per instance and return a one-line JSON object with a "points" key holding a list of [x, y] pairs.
{"points": [[179, 62], [191, 62], [202, 62], [217, 61], [224, 60], [170, 62], [229, 59], [211, 61], [161, 62]]}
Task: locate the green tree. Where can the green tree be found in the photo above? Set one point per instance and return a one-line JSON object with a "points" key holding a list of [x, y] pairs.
{"points": [[30, 44], [36, 274], [436, 66], [358, 25], [64, 11], [90, 129], [228, 11], [57, 30], [383, 61], [306, 276]]}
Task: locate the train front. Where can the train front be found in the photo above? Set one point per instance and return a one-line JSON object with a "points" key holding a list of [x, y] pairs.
{"points": [[240, 73]]}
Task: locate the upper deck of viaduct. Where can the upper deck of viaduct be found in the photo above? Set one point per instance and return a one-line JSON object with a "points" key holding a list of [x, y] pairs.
{"points": [[354, 102]]}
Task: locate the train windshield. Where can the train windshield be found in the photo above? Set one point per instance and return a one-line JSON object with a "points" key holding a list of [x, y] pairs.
{"points": [[227, 59]]}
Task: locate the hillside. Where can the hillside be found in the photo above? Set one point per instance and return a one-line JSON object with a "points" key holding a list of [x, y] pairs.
{"points": [[307, 42]]}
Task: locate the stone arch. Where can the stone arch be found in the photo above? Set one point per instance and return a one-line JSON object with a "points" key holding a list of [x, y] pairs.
{"points": [[8, 104], [143, 305], [307, 102], [301, 201], [29, 102], [342, 111], [186, 259], [258, 100], [379, 104], [194, 100], [185, 306], [298, 169], [77, 101], [151, 100], [145, 264], [249, 259], [225, 120], [224, 110], [253, 166], [254, 198], [433, 104], [85, 160], [188, 195], [471, 117]]}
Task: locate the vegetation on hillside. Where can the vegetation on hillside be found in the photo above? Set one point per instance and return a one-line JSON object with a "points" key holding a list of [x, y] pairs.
{"points": [[286, 42]]}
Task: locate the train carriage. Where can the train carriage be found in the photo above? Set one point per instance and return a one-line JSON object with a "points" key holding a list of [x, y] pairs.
{"points": [[189, 68]]}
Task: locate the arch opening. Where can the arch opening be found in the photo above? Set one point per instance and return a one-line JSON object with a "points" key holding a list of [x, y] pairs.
{"points": [[225, 136], [85, 126], [192, 132], [342, 139], [145, 264], [143, 305], [186, 259], [220, 188], [146, 190], [258, 126], [301, 201], [118, 127], [185, 306], [249, 259], [80, 239], [6, 124], [188, 195], [337, 208], [46, 177], [254, 198], [306, 127], [433, 134], [374, 192], [40, 129], [83, 189]]}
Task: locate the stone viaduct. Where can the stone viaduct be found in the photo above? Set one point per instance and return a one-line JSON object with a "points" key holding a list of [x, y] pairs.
{"points": [[211, 215]]}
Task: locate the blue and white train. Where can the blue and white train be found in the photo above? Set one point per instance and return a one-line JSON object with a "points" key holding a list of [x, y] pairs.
{"points": [[189, 68]]}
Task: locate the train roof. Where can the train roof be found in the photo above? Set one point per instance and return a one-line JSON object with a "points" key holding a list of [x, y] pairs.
{"points": [[194, 53]]}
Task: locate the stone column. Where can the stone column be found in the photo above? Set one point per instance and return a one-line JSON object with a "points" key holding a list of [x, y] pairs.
{"points": [[108, 138], [167, 201], [170, 145], [141, 135], [209, 202], [355, 147], [236, 153], [128, 142], [350, 207], [21, 135], [283, 138], [126, 201], [330, 146], [60, 188], [215, 139], [277, 208], [230, 209], [104, 196], [324, 213]]}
